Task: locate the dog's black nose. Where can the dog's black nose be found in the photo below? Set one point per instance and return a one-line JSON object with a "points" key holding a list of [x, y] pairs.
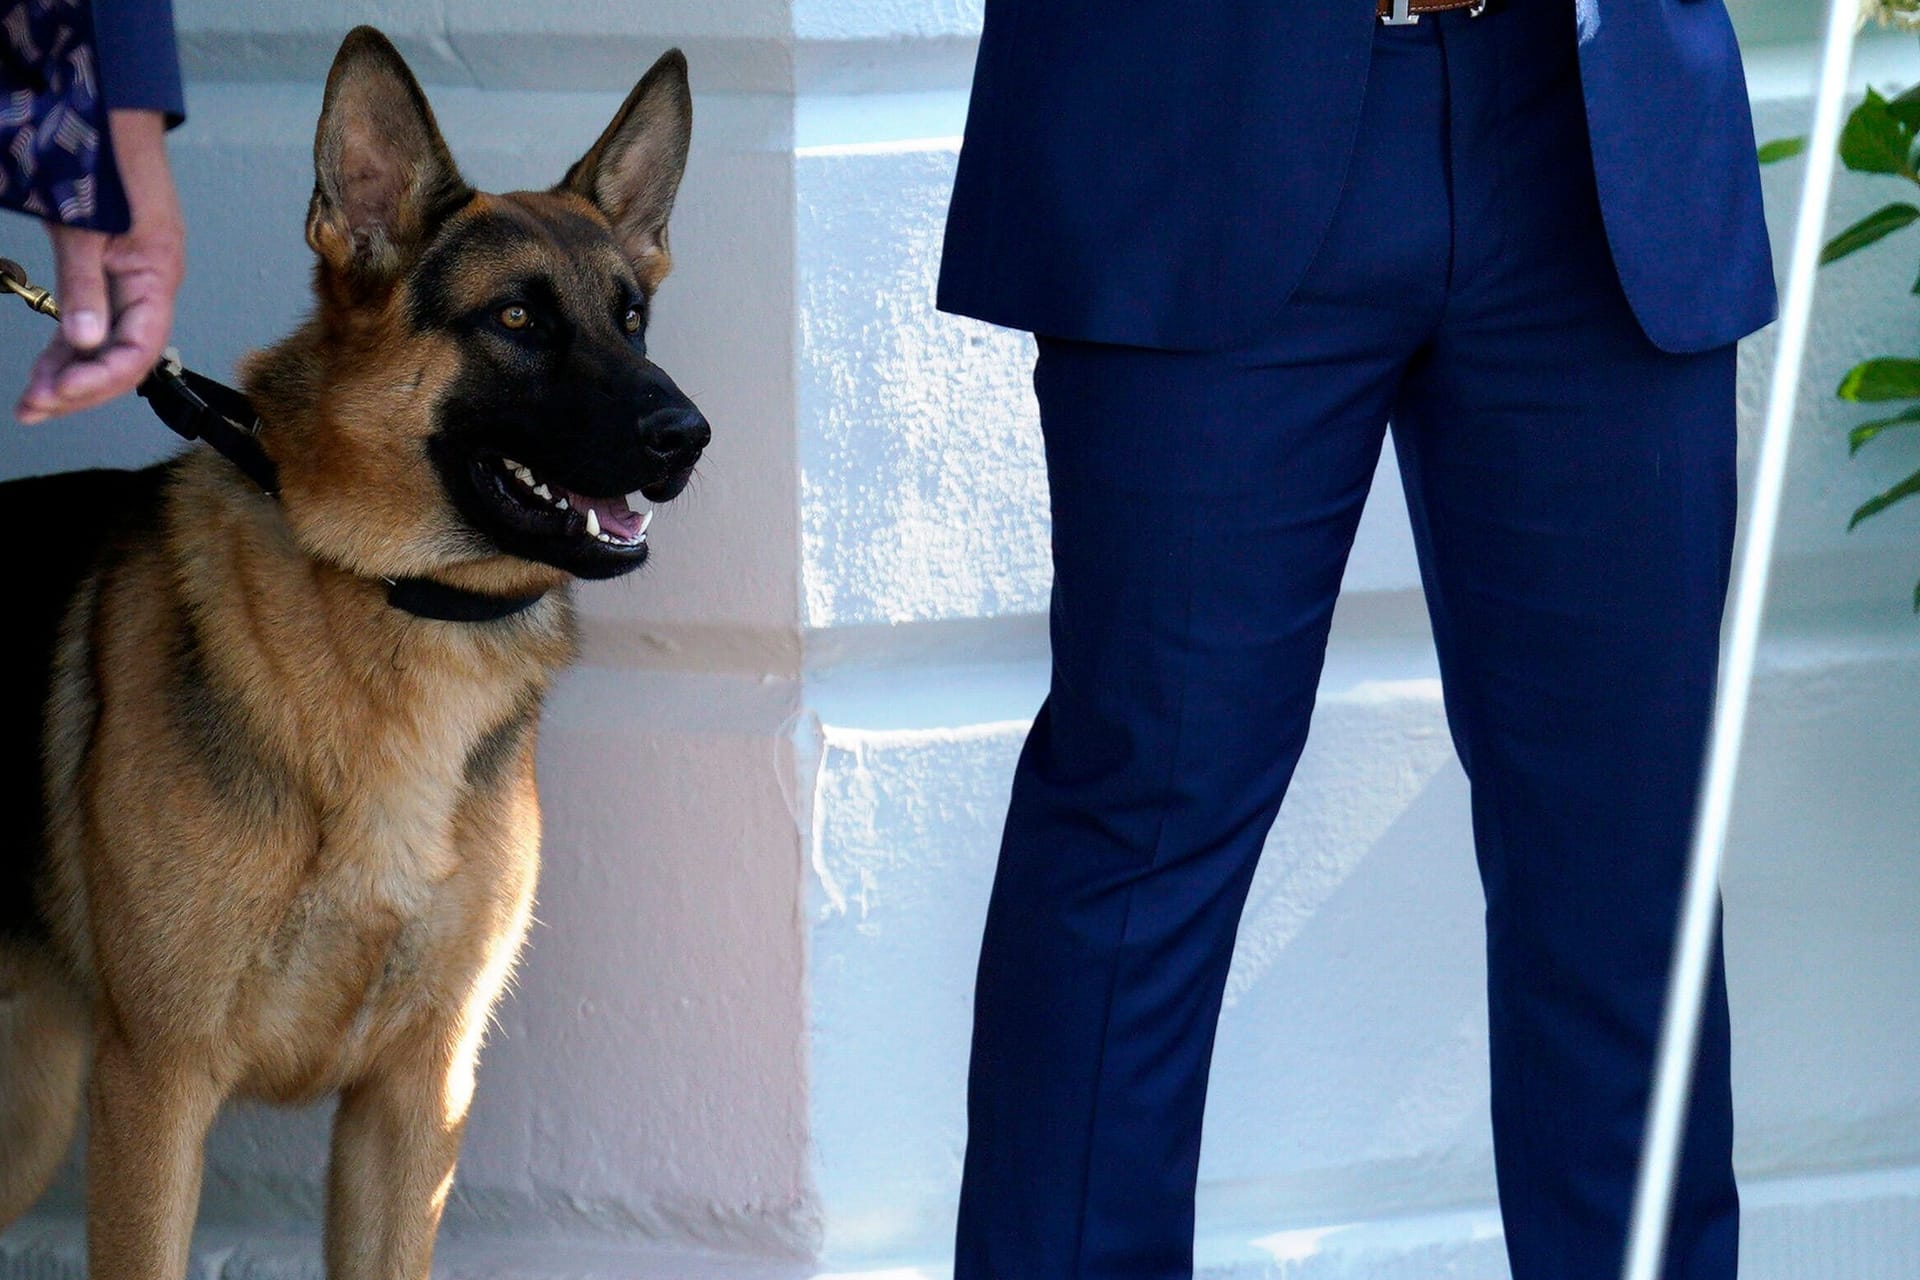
{"points": [[675, 435], [673, 431]]}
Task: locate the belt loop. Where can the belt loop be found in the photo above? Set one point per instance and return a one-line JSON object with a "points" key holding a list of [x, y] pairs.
{"points": [[1401, 15]]}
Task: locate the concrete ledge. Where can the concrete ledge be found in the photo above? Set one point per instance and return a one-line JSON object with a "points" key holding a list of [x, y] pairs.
{"points": [[1861, 1225], [1852, 1226], [54, 1248], [1845, 1226]]}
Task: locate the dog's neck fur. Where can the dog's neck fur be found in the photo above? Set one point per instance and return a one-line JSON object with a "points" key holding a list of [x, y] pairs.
{"points": [[324, 627]]}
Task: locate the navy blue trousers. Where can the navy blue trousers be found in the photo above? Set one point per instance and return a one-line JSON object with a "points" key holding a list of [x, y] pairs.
{"points": [[1572, 496]]}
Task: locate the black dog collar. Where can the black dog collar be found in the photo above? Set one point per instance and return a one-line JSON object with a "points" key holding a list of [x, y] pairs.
{"points": [[425, 598], [198, 408]]}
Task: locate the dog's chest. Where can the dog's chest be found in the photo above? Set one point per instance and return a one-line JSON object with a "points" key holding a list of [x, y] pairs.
{"points": [[390, 920]]}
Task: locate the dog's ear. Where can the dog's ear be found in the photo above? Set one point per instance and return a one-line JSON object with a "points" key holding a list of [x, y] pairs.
{"points": [[633, 172], [382, 176]]}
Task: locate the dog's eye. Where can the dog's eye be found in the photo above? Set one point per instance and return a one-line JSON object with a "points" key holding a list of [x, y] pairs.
{"points": [[631, 321], [515, 317]]}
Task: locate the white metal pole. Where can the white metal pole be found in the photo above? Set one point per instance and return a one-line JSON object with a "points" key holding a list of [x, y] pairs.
{"points": [[1693, 949]]}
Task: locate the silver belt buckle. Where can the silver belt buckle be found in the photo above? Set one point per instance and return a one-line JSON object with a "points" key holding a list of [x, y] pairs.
{"points": [[1403, 15]]}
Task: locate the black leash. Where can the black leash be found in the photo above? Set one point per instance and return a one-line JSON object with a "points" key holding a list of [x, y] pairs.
{"points": [[197, 407]]}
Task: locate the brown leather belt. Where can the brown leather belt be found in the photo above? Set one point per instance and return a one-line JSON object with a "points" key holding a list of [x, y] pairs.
{"points": [[1399, 13]]}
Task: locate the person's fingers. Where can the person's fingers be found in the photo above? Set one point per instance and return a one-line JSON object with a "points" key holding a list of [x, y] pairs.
{"points": [[80, 268], [65, 381], [40, 401], [138, 330], [143, 318], [82, 384]]}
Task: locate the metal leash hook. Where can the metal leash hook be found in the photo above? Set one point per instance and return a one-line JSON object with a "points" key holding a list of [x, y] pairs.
{"points": [[13, 278], [1693, 948]]}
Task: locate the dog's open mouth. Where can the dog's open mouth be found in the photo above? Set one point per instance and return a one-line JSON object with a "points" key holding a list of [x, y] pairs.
{"points": [[521, 509], [542, 506]]}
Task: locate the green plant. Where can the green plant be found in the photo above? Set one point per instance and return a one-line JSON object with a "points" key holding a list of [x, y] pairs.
{"points": [[1882, 136]]}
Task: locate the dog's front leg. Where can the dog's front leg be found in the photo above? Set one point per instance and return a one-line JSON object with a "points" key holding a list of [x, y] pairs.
{"points": [[395, 1140], [149, 1117]]}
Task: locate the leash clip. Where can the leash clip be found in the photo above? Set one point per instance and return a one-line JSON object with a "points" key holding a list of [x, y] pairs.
{"points": [[13, 278]]}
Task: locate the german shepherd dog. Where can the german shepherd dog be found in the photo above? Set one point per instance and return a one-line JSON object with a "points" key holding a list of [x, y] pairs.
{"points": [[284, 836]]}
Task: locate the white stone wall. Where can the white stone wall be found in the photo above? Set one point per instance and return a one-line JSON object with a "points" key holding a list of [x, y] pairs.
{"points": [[774, 788]]}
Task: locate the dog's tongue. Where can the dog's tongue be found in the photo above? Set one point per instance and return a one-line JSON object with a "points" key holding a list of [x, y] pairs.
{"points": [[613, 514]]}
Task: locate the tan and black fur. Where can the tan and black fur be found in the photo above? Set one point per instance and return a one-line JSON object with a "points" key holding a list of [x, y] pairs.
{"points": [[284, 840]]}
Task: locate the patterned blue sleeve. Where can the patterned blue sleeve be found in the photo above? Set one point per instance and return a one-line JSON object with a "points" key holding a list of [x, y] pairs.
{"points": [[62, 64]]}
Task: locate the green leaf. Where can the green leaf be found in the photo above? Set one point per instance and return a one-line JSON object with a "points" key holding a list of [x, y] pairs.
{"points": [[1781, 149], [1887, 378], [1868, 430], [1905, 106], [1874, 141], [1874, 506], [1876, 225]]}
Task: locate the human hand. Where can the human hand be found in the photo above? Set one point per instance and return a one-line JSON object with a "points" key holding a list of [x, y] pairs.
{"points": [[115, 291]]}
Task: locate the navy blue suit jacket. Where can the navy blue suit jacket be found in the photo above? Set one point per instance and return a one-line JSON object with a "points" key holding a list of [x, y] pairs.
{"points": [[63, 65], [1159, 172]]}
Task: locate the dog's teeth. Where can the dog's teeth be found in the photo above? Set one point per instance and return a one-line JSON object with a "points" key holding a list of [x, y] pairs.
{"points": [[526, 476], [562, 504], [593, 522], [509, 463], [646, 518], [543, 491]]}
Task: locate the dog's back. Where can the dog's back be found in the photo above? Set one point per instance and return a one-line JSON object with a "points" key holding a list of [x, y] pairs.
{"points": [[57, 527]]}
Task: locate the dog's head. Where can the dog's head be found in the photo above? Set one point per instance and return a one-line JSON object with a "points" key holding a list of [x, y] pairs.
{"points": [[472, 393]]}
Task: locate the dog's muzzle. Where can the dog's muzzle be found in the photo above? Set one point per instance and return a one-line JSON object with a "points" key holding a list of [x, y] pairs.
{"points": [[673, 435]]}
